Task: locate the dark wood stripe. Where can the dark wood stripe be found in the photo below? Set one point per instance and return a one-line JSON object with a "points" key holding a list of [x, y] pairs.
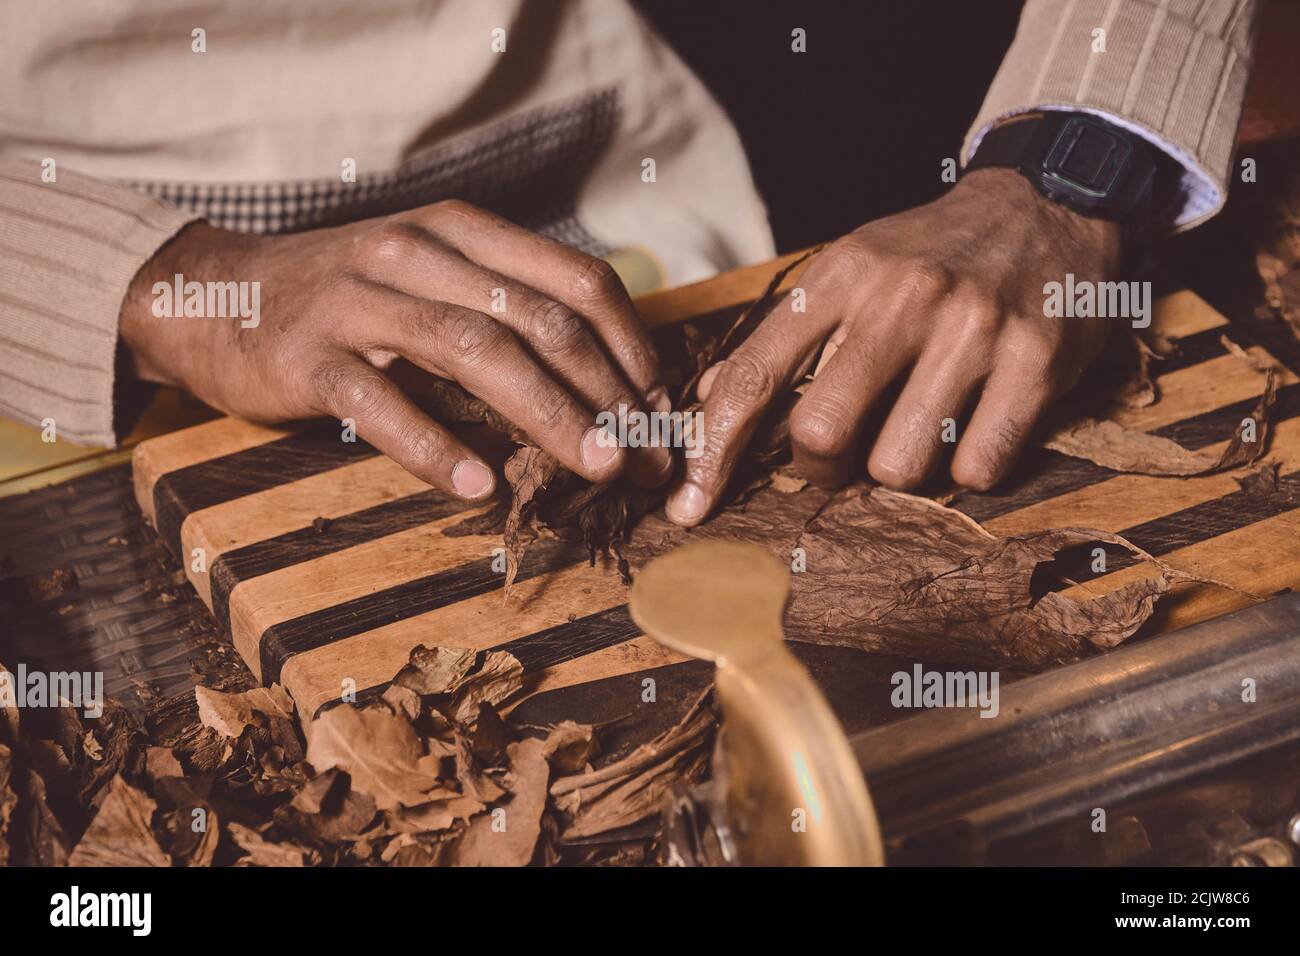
{"points": [[308, 631], [1046, 474], [573, 639], [1200, 347], [305, 544], [301, 455], [546, 648]]}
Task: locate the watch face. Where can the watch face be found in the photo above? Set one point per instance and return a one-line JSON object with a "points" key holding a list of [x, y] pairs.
{"points": [[1086, 159]]}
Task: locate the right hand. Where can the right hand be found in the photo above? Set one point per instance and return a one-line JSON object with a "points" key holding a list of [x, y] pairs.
{"points": [[339, 306]]}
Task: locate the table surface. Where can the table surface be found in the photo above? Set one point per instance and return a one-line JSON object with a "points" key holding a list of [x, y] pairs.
{"points": [[135, 615]]}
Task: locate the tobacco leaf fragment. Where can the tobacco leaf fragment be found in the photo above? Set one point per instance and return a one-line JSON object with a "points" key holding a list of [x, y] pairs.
{"points": [[436, 670], [570, 746], [262, 852], [230, 713], [121, 833], [328, 809], [380, 751], [507, 836], [1266, 481], [628, 790], [1119, 448], [527, 472]]}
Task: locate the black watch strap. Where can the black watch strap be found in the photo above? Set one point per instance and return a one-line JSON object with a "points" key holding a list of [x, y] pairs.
{"points": [[1084, 163]]}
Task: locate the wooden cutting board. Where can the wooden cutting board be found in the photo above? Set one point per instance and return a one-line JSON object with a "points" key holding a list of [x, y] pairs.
{"points": [[327, 606]]}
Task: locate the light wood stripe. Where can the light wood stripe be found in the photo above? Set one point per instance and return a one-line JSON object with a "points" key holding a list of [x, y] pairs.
{"points": [[300, 589], [158, 456], [1201, 388], [1128, 500], [265, 514], [481, 622]]}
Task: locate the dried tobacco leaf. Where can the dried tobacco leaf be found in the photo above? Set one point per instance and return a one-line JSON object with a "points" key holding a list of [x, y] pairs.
{"points": [[229, 714], [897, 572], [507, 835], [36, 837], [328, 809], [901, 574], [160, 763], [261, 852], [570, 746], [627, 791], [122, 832], [474, 780], [460, 680], [380, 751], [1124, 449], [527, 472]]}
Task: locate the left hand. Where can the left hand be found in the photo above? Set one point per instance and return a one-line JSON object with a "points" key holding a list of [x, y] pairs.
{"points": [[948, 296]]}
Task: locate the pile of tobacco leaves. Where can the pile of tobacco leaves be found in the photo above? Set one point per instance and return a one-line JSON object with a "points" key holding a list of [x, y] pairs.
{"points": [[429, 774]]}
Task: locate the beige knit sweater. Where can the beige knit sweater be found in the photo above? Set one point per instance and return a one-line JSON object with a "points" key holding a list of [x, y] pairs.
{"points": [[117, 130]]}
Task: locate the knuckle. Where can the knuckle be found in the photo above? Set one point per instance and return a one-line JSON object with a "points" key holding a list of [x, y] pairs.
{"points": [[454, 211], [552, 328], [596, 282], [352, 391], [924, 279], [747, 378], [847, 262], [392, 244], [474, 339], [551, 408], [817, 431]]}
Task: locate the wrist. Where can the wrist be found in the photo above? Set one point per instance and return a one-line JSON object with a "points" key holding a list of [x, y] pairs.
{"points": [[162, 345], [1013, 192]]}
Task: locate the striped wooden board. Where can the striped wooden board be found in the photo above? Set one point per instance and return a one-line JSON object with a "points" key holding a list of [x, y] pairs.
{"points": [[324, 606]]}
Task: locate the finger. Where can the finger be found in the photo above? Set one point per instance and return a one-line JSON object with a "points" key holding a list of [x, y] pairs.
{"points": [[741, 390], [1014, 399], [587, 285], [924, 419], [826, 425], [555, 334], [349, 388], [487, 359]]}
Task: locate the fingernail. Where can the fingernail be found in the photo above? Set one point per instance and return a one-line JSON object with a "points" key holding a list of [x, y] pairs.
{"points": [[471, 479], [595, 453], [706, 381], [686, 505], [657, 398]]}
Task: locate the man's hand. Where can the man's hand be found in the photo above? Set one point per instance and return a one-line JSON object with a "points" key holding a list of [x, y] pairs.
{"points": [[949, 297], [544, 334]]}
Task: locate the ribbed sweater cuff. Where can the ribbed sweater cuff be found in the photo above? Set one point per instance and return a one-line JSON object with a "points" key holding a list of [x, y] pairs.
{"points": [[68, 251]]}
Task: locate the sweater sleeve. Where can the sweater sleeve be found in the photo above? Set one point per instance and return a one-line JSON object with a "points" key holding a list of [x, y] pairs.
{"points": [[68, 251], [1171, 71]]}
